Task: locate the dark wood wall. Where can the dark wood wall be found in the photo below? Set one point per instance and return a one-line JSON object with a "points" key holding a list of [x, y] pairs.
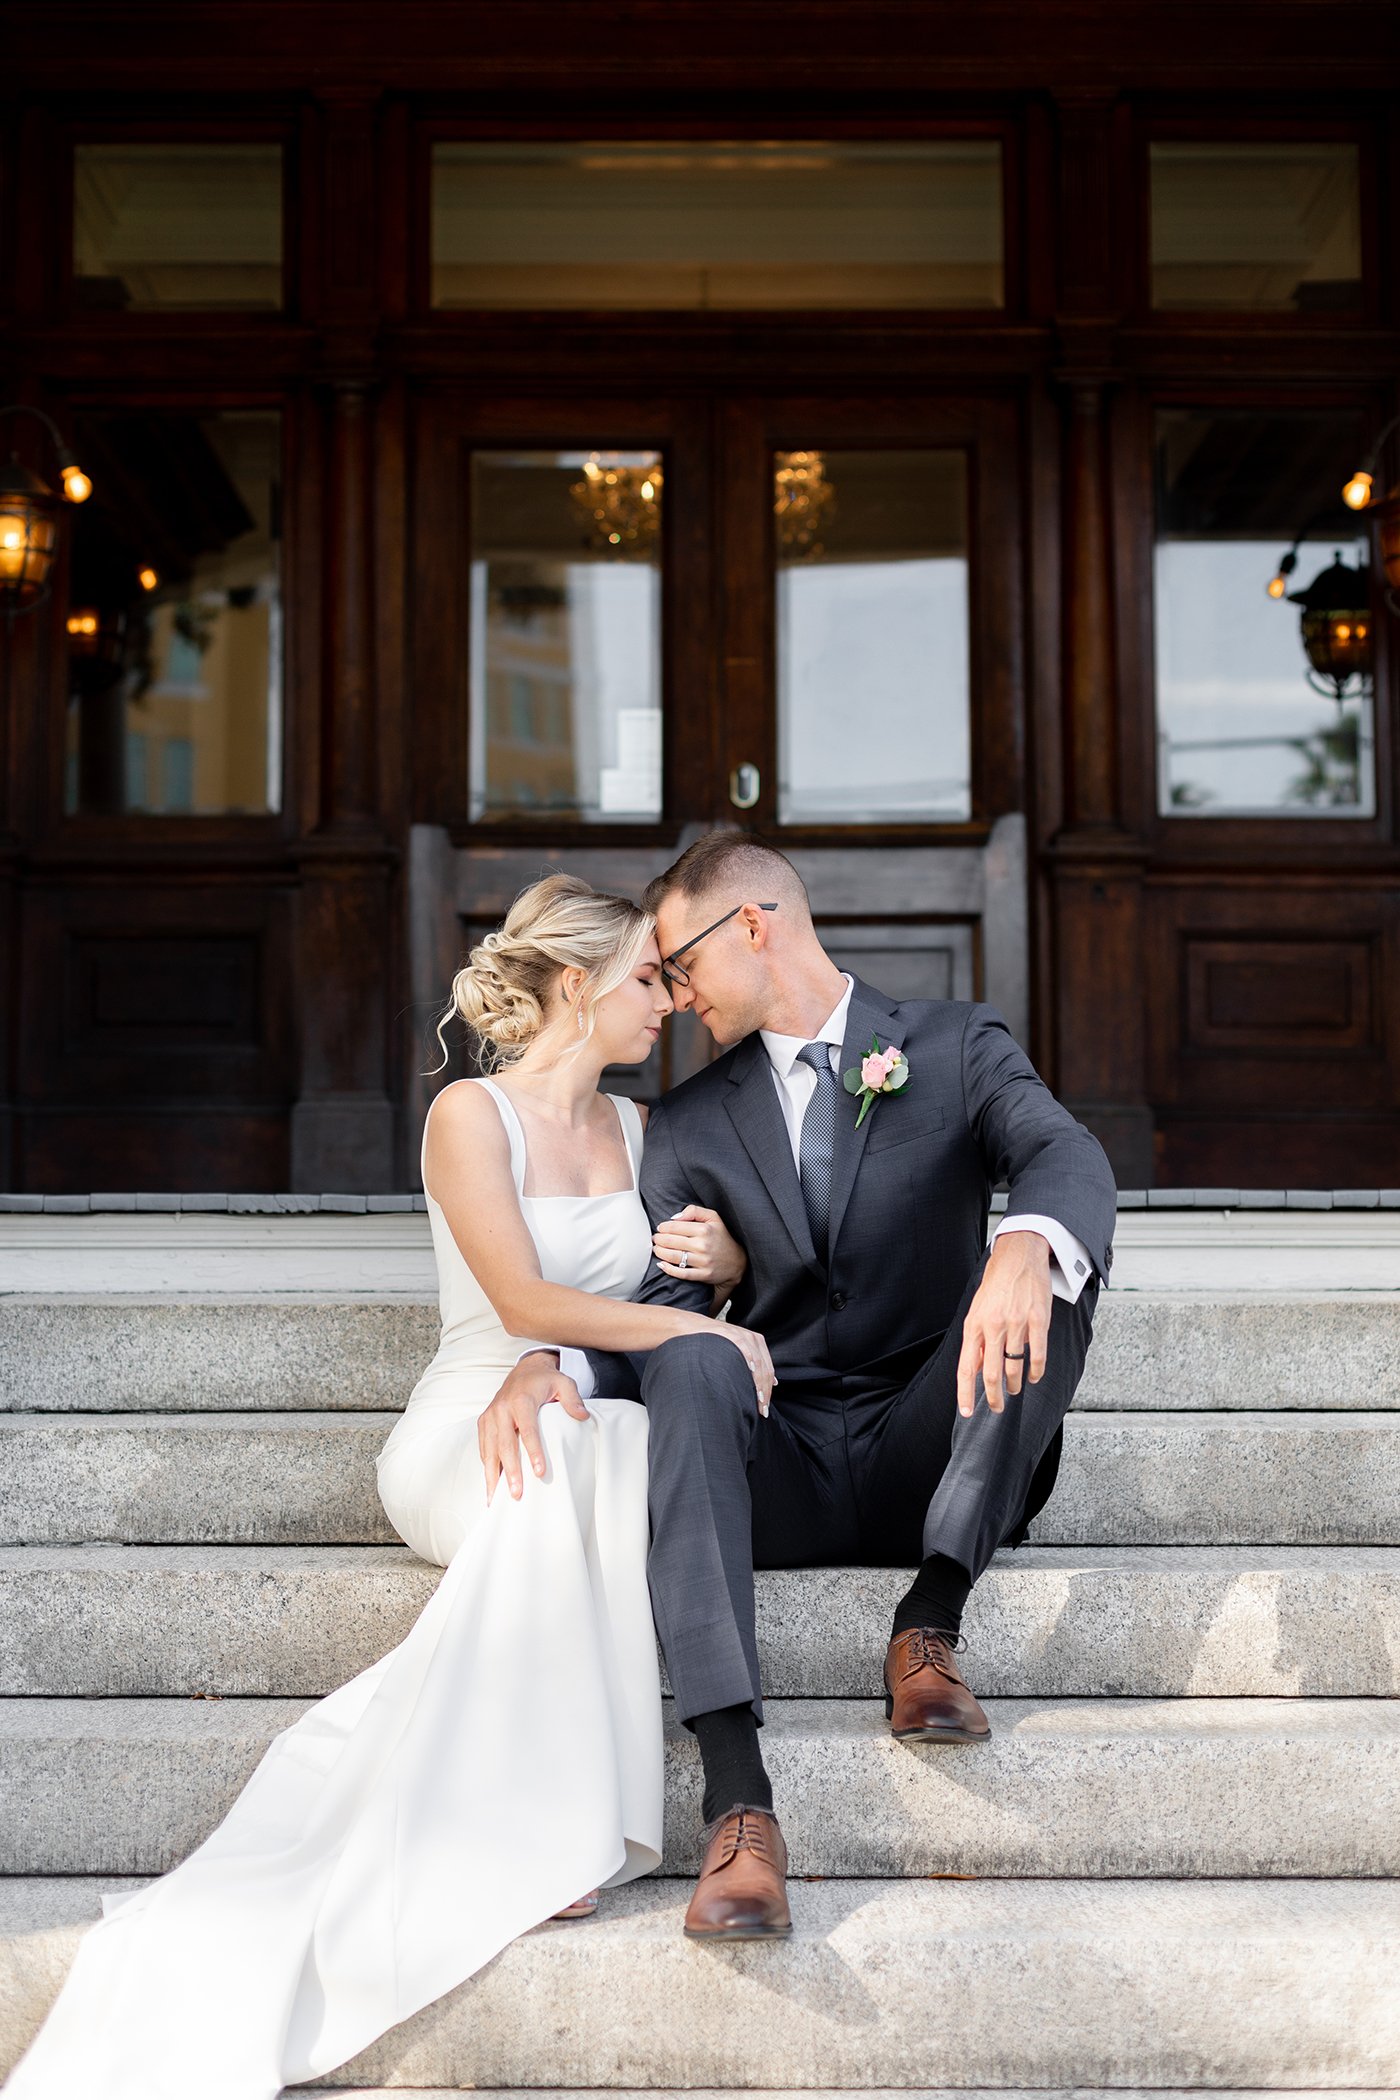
{"points": [[226, 1003]]}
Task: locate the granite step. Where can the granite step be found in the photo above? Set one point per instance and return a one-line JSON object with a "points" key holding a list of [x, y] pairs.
{"points": [[1152, 1350], [299, 1479], [1044, 1622], [1120, 1787], [1052, 1984]]}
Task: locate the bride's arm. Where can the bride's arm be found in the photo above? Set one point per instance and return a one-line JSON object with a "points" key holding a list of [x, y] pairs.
{"points": [[467, 1162]]}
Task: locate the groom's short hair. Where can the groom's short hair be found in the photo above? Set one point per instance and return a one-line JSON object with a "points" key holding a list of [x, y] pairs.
{"points": [[726, 863]]}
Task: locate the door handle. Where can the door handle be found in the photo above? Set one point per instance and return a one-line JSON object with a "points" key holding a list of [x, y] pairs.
{"points": [[744, 786]]}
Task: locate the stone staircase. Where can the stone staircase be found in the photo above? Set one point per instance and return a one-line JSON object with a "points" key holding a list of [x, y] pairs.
{"points": [[1173, 1866]]}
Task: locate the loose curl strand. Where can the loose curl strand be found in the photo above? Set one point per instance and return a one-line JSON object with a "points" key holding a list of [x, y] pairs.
{"points": [[561, 922]]}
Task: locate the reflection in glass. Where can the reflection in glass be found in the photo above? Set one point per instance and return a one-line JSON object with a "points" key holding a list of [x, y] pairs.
{"points": [[565, 634], [774, 223], [873, 685], [1266, 227], [175, 616], [1239, 730], [157, 227]]}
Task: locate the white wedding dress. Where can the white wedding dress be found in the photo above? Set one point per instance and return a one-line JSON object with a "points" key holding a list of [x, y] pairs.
{"points": [[504, 1759]]}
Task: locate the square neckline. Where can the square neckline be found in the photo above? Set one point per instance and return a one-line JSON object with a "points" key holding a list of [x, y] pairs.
{"points": [[607, 1195]]}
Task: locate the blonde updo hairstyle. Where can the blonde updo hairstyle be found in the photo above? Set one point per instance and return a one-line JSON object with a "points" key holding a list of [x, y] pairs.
{"points": [[502, 992]]}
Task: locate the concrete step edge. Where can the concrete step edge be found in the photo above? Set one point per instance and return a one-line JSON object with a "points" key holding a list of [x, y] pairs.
{"points": [[1226, 1985]]}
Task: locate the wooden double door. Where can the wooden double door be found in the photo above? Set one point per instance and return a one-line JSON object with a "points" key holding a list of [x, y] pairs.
{"points": [[635, 619]]}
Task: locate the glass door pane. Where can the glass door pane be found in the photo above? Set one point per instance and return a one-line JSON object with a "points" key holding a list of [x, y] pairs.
{"points": [[565, 635], [1245, 724], [874, 712]]}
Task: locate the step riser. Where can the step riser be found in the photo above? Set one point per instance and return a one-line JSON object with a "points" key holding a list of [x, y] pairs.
{"points": [[1047, 1986], [1126, 1479], [1201, 1789], [1036, 1627], [1173, 1350]]}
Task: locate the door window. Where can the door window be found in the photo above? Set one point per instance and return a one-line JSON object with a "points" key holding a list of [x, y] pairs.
{"points": [[564, 625], [874, 719]]}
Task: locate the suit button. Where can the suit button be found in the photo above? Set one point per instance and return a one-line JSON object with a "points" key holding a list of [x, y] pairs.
{"points": [[838, 1301]]}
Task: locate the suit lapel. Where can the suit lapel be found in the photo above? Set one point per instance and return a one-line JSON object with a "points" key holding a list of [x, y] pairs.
{"points": [[757, 1116], [869, 1013]]}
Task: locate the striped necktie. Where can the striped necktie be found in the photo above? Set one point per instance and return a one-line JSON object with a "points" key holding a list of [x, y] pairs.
{"points": [[816, 1146]]}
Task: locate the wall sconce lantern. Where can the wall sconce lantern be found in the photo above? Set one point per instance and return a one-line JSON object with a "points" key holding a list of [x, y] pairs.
{"points": [[1358, 495], [30, 512], [1336, 625]]}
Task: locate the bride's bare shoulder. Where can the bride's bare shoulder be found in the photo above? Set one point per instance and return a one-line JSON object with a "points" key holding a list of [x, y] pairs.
{"points": [[462, 1108]]}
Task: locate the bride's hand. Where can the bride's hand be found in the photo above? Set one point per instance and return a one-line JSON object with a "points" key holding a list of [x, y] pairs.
{"points": [[754, 1350], [712, 1254]]}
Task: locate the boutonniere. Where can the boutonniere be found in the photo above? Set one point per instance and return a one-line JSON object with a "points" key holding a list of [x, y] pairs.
{"points": [[882, 1072]]}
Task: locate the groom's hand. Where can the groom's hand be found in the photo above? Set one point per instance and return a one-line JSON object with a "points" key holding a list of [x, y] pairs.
{"points": [[1009, 1314], [512, 1419]]}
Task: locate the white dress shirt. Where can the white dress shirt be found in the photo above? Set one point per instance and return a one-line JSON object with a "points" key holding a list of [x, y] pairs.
{"points": [[1070, 1263]]}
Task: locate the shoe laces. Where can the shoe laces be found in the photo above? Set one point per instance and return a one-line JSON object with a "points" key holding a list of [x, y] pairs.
{"points": [[927, 1642]]}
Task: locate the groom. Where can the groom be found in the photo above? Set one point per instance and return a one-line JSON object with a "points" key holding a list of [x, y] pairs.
{"points": [[922, 1377]]}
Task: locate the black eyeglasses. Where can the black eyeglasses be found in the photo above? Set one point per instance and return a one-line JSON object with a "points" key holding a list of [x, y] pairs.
{"points": [[671, 969]]}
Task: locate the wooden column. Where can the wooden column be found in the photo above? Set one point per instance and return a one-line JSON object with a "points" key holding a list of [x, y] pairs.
{"points": [[344, 1121], [1096, 861]]}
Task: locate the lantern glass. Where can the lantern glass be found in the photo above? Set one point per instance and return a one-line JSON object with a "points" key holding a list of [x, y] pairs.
{"points": [[28, 539]]}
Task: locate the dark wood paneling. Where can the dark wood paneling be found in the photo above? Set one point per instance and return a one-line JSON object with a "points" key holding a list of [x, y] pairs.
{"points": [[1274, 1033], [133, 994], [1281, 996], [135, 1146]]}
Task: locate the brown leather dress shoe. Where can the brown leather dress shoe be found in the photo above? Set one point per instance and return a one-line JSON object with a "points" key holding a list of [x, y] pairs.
{"points": [[926, 1699], [741, 1894]]}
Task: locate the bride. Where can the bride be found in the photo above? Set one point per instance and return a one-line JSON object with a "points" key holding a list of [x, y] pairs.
{"points": [[504, 1761]]}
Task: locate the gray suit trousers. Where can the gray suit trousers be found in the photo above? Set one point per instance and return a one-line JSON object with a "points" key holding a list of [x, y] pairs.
{"points": [[830, 1478]]}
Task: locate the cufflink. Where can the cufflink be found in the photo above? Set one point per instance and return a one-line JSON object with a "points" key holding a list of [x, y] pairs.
{"points": [[1079, 1269]]}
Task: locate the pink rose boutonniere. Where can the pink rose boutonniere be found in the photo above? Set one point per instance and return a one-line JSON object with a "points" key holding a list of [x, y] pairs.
{"points": [[881, 1072]]}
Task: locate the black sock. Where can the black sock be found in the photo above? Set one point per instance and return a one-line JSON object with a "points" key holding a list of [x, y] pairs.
{"points": [[941, 1589], [733, 1763]]}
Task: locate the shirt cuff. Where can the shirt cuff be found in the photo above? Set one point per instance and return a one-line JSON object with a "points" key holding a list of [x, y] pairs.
{"points": [[1070, 1262], [572, 1362]]}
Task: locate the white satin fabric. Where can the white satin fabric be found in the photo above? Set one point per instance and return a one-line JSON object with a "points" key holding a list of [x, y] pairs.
{"points": [[502, 1760]]}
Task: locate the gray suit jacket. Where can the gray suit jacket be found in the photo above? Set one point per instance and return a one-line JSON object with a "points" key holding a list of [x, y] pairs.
{"points": [[910, 1192]]}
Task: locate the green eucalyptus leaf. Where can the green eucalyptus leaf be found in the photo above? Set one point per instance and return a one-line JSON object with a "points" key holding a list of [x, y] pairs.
{"points": [[851, 1080]]}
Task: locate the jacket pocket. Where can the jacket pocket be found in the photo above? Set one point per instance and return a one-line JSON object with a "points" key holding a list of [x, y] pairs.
{"points": [[901, 1128]]}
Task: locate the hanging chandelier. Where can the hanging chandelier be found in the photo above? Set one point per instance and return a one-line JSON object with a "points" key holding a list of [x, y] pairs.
{"points": [[618, 503], [804, 502]]}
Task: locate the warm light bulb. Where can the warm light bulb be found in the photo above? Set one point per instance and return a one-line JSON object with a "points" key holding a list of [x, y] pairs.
{"points": [[12, 537], [82, 623], [1343, 630], [76, 486], [1277, 586], [147, 579], [648, 490], [1357, 493]]}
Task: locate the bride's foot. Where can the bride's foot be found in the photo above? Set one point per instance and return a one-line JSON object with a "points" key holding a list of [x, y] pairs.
{"points": [[584, 1908]]}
